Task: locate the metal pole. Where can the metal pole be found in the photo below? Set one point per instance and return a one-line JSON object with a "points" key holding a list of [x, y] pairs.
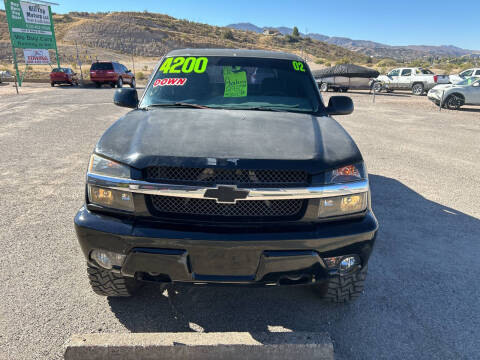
{"points": [[78, 61], [16, 86], [16, 66]]}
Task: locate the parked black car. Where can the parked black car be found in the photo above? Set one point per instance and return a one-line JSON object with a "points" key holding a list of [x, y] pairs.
{"points": [[228, 170]]}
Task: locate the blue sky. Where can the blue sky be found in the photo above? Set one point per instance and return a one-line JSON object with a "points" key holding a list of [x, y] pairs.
{"points": [[405, 22]]}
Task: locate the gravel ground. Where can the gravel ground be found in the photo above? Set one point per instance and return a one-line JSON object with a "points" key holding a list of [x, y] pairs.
{"points": [[422, 293]]}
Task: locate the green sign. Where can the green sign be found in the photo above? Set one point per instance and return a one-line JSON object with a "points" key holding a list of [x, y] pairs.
{"points": [[235, 82], [30, 25]]}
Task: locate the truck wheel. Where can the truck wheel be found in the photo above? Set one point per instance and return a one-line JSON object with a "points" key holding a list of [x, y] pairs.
{"points": [[378, 87], [107, 283], [97, 85], [119, 83], [453, 102], [340, 289], [418, 89], [324, 87], [52, 84]]}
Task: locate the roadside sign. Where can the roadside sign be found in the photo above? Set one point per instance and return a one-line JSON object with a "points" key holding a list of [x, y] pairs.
{"points": [[31, 27], [36, 56]]}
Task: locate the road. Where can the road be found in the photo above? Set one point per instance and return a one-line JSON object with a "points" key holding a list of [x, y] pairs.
{"points": [[422, 293]]}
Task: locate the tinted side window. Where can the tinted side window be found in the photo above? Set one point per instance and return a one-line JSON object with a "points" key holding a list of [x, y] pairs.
{"points": [[467, 73], [406, 72], [477, 73], [394, 72]]}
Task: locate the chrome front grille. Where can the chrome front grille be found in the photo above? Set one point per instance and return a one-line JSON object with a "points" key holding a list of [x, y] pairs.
{"points": [[253, 209], [239, 177]]}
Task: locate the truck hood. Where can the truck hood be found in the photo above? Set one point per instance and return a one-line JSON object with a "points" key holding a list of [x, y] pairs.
{"points": [[228, 138]]}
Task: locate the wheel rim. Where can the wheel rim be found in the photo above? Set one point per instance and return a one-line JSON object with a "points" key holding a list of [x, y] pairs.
{"points": [[324, 87], [453, 102], [417, 90]]}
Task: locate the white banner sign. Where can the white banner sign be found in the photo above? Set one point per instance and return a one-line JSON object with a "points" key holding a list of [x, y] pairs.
{"points": [[35, 13], [36, 56]]}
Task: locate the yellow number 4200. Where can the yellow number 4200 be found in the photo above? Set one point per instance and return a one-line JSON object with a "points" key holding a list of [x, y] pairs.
{"points": [[182, 65]]}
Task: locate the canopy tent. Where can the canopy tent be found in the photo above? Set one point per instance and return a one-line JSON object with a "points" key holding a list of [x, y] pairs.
{"points": [[345, 70]]}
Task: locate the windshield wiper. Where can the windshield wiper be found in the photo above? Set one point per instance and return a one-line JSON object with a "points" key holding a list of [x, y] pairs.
{"points": [[180, 104]]}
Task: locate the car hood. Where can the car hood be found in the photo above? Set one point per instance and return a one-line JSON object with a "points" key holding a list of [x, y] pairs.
{"points": [[228, 138]]}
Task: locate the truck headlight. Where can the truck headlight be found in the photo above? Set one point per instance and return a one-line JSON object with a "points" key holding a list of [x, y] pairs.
{"points": [[111, 198], [102, 166], [115, 199], [346, 204], [342, 205]]}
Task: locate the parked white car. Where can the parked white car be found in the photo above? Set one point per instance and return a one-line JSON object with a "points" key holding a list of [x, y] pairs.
{"points": [[418, 80], [456, 78], [466, 92]]}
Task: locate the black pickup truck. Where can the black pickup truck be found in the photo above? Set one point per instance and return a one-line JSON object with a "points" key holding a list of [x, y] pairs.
{"points": [[229, 170]]}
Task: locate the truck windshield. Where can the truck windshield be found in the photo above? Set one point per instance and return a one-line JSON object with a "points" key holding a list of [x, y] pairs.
{"points": [[234, 83]]}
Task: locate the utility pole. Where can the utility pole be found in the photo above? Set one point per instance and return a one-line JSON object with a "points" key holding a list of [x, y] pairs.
{"points": [[131, 41], [78, 61]]}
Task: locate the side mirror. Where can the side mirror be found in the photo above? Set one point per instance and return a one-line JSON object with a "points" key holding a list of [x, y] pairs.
{"points": [[477, 84], [126, 97], [129, 71], [340, 105]]}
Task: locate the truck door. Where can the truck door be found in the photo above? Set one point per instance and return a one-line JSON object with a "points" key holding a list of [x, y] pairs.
{"points": [[405, 79], [393, 77]]}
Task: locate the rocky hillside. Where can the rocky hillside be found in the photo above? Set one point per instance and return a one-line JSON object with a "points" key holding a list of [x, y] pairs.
{"points": [[151, 35]]}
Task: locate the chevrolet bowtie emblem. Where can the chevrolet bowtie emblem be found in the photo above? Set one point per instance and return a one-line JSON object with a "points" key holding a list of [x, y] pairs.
{"points": [[226, 194]]}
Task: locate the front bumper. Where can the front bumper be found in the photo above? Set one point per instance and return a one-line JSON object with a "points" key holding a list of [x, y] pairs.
{"points": [[226, 255]]}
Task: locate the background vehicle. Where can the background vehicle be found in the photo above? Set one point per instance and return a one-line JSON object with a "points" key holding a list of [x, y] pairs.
{"points": [[466, 92], [456, 78], [63, 76], [229, 170], [418, 80], [342, 77], [113, 73]]}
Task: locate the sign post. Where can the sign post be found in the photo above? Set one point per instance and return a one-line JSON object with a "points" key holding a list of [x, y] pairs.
{"points": [[31, 27]]}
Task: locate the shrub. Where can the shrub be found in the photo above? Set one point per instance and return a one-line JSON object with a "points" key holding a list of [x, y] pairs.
{"points": [[295, 32], [140, 75], [228, 34]]}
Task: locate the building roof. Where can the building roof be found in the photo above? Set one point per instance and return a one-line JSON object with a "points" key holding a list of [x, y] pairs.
{"points": [[235, 52]]}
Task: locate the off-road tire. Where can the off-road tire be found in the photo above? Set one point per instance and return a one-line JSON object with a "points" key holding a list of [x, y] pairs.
{"points": [[107, 283], [98, 85], [341, 289], [418, 89]]}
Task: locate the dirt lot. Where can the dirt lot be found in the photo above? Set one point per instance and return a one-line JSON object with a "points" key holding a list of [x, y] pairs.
{"points": [[421, 298]]}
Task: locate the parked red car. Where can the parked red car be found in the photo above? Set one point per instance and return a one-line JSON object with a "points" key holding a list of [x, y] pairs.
{"points": [[63, 76], [113, 73]]}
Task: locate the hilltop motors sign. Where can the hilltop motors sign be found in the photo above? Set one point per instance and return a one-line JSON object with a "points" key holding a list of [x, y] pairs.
{"points": [[36, 56], [30, 25]]}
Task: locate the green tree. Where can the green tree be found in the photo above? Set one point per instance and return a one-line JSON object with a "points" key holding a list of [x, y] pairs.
{"points": [[295, 32]]}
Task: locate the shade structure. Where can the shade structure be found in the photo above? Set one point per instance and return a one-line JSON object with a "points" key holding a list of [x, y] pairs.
{"points": [[345, 70]]}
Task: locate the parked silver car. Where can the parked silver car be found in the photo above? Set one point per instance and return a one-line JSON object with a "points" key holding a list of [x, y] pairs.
{"points": [[466, 92]]}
